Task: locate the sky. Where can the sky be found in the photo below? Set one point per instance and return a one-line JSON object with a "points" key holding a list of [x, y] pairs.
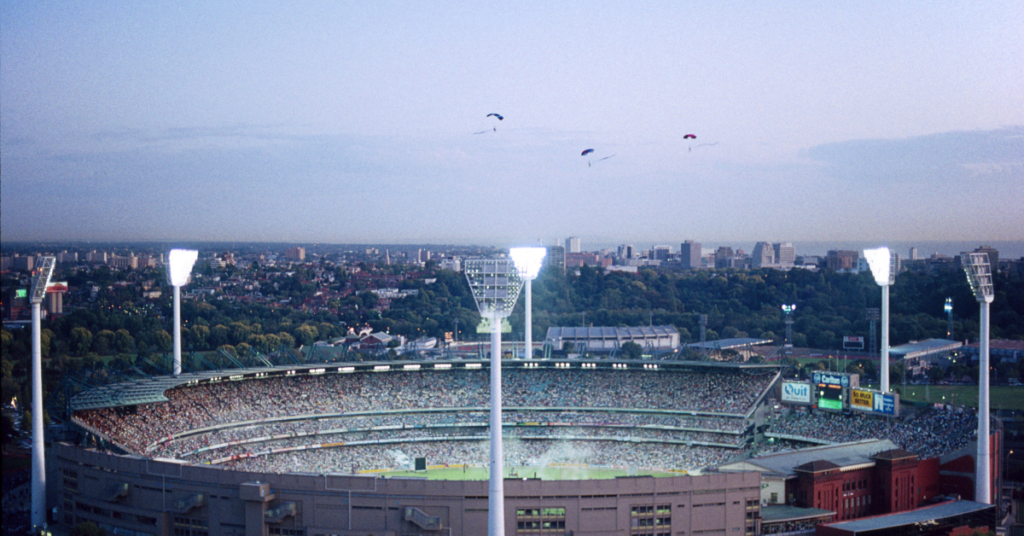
{"points": [[357, 122]]}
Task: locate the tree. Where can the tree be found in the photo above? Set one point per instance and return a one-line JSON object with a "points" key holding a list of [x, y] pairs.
{"points": [[103, 342], [81, 341], [161, 340], [123, 341], [631, 350]]}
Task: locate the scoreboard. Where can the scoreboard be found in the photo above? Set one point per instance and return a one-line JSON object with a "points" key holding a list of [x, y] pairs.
{"points": [[830, 397]]}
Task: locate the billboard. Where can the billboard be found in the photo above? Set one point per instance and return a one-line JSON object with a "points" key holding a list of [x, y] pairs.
{"points": [[798, 392], [853, 343], [875, 402], [885, 404], [862, 400]]}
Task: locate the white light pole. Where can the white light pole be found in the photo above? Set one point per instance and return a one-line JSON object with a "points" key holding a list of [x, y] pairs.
{"points": [[495, 284], [179, 267], [41, 281], [882, 263], [528, 261], [979, 275]]}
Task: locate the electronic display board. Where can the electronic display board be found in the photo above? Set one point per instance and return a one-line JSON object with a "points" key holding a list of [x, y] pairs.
{"points": [[830, 396]]}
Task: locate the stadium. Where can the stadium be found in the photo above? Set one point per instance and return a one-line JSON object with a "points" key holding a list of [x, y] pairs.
{"points": [[591, 447]]}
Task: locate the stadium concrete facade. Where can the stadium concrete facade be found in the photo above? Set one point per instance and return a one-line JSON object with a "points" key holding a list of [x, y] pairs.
{"points": [[135, 495]]}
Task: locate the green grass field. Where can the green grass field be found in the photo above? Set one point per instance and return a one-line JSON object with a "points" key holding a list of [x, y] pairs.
{"points": [[435, 472], [1000, 397]]}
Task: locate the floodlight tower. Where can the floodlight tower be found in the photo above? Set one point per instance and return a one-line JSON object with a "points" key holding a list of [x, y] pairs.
{"points": [[42, 280], [495, 284], [528, 261], [788, 309], [883, 267], [979, 275], [949, 318], [179, 267]]}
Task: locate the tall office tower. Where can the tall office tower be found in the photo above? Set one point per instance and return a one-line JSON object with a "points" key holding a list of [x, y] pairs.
{"points": [[785, 254], [689, 255], [626, 251], [722, 256], [556, 257], [661, 253], [841, 260], [295, 254], [913, 254], [763, 256], [572, 244]]}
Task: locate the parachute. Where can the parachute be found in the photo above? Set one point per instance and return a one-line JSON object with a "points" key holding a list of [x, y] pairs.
{"points": [[690, 137], [493, 129], [591, 151]]}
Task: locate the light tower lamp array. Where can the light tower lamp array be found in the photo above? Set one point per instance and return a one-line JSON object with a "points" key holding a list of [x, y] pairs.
{"points": [[882, 263], [979, 275], [495, 284], [528, 261], [179, 267]]}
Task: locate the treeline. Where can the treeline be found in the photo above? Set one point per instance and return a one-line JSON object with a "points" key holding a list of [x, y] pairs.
{"points": [[121, 326]]}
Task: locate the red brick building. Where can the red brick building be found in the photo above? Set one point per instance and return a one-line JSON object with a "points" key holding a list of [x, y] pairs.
{"points": [[886, 484]]}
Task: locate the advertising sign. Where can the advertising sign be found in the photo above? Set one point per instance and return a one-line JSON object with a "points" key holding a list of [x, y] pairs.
{"points": [[853, 343], [863, 400], [796, 392], [885, 404], [829, 378]]}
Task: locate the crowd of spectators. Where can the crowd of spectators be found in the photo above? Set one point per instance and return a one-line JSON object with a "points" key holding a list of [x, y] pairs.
{"points": [[138, 428], [677, 428], [928, 434], [677, 420]]}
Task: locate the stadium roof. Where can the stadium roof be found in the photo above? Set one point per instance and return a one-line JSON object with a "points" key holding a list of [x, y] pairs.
{"points": [[729, 344], [922, 348], [777, 513], [610, 332], [926, 515], [143, 391], [843, 455]]}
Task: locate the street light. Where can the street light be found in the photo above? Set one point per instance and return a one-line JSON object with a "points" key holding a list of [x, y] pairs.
{"points": [[882, 263], [39, 284], [179, 267], [528, 261], [495, 284], [979, 275]]}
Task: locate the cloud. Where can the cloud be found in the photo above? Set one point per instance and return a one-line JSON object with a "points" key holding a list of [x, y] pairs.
{"points": [[938, 159]]}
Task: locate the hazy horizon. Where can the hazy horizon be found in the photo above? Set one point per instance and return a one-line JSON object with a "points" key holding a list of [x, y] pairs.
{"points": [[352, 122]]}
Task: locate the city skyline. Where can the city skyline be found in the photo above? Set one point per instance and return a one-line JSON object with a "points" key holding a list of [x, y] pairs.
{"points": [[876, 122]]}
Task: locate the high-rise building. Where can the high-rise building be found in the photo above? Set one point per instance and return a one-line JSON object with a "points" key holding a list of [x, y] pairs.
{"points": [[763, 256], [913, 254], [722, 256], [555, 258], [690, 254], [626, 251], [295, 254], [785, 254], [661, 253], [572, 244], [841, 260]]}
